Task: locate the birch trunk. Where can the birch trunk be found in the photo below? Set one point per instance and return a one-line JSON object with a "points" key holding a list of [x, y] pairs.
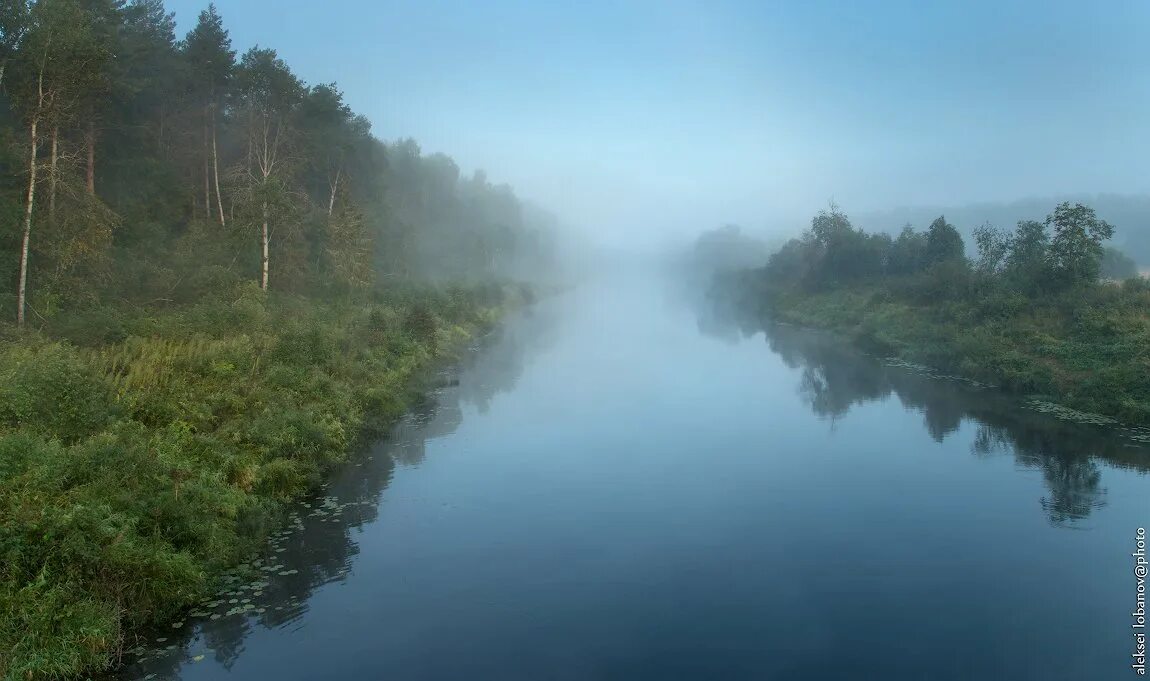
{"points": [[207, 171], [264, 244], [53, 178], [334, 188], [28, 204], [216, 170]]}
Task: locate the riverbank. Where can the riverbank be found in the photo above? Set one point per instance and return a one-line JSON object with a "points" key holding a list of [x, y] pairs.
{"points": [[1089, 352], [143, 453]]}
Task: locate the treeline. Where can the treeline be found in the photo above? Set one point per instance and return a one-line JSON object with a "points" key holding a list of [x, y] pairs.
{"points": [[1065, 250], [136, 165], [1046, 309]]}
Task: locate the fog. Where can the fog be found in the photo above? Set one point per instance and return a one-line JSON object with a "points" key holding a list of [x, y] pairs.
{"points": [[514, 339], [650, 121]]}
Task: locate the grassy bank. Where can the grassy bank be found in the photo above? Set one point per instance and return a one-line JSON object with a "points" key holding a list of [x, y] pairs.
{"points": [[143, 453], [1045, 310], [1088, 349]]}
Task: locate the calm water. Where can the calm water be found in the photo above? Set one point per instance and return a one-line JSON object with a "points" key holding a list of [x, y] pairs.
{"points": [[626, 486]]}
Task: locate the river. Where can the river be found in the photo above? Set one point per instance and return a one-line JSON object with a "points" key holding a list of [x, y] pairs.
{"points": [[618, 484]]}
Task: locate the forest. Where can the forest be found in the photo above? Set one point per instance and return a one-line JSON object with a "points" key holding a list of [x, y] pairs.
{"points": [[1047, 310], [215, 283]]}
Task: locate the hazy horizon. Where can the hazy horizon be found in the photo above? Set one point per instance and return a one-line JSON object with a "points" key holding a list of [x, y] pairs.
{"points": [[685, 115]]}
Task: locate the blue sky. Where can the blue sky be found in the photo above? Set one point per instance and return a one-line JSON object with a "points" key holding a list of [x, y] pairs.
{"points": [[638, 120]]}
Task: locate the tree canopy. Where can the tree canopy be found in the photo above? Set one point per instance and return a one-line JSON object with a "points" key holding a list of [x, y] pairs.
{"points": [[120, 142]]}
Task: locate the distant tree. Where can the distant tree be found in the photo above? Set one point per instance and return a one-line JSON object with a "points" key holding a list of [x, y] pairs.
{"points": [[790, 264], [943, 242], [831, 227], [1117, 265], [993, 248], [907, 253], [1026, 262], [1075, 251], [728, 248], [835, 245]]}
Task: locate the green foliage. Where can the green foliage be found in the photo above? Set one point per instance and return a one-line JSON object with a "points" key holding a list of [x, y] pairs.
{"points": [[133, 473], [943, 243], [51, 389], [1075, 252], [993, 247], [1030, 316]]}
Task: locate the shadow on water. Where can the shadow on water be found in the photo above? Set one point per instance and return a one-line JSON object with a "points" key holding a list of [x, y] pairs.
{"points": [[835, 378], [319, 544]]}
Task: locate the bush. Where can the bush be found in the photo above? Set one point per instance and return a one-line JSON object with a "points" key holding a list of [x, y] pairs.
{"points": [[51, 389]]}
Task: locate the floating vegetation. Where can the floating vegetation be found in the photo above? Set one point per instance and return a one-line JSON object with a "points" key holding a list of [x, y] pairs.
{"points": [[1140, 435], [1067, 414], [934, 373]]}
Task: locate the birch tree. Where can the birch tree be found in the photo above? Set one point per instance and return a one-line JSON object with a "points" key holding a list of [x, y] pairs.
{"points": [[271, 95], [56, 58]]}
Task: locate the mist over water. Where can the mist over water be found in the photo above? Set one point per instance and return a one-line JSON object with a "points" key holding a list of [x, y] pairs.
{"points": [[595, 239], [626, 483]]}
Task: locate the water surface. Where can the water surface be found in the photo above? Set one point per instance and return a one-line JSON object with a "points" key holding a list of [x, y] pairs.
{"points": [[626, 486]]}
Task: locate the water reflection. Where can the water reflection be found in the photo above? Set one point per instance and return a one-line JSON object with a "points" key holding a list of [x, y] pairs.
{"points": [[834, 378], [319, 544]]}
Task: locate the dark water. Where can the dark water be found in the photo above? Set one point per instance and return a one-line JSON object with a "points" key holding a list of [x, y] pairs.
{"points": [[625, 486]]}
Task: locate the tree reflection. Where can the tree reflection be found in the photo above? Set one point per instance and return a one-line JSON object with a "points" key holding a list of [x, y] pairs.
{"points": [[835, 377]]}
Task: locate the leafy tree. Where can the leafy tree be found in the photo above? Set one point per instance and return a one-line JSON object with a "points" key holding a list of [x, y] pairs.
{"points": [[1026, 262], [993, 248], [943, 242], [907, 253], [270, 94], [58, 50], [1075, 252]]}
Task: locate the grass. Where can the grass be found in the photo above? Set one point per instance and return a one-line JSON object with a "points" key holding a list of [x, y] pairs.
{"points": [[143, 454], [1088, 350]]}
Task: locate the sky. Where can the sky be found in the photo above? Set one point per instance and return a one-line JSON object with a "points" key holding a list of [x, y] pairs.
{"points": [[639, 121]]}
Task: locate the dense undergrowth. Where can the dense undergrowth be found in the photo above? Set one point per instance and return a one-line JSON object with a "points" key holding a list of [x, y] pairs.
{"points": [[142, 453], [1087, 348]]}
